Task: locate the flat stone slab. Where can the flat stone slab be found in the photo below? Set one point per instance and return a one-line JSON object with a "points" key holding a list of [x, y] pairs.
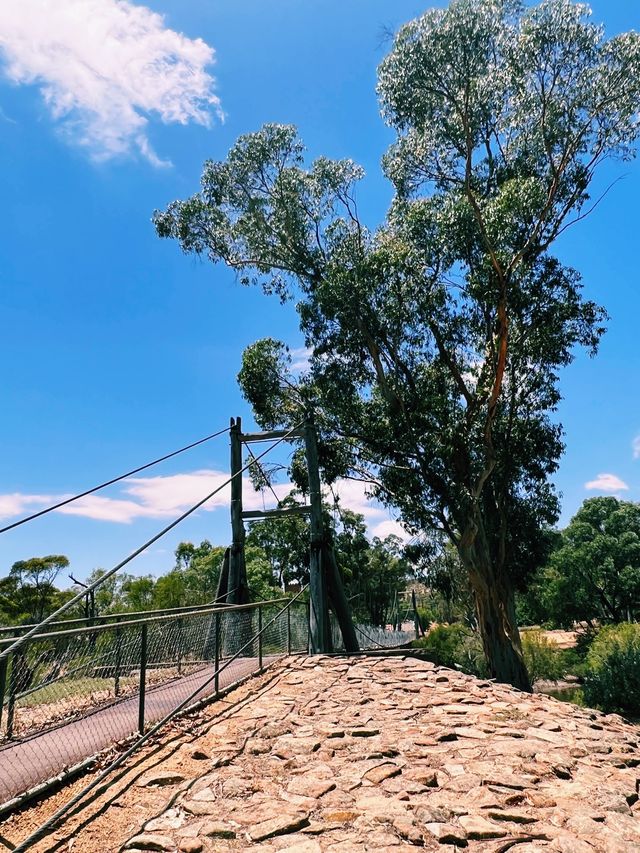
{"points": [[345, 756]]}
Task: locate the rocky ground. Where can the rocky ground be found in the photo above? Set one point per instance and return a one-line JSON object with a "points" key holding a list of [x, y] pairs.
{"points": [[375, 754]]}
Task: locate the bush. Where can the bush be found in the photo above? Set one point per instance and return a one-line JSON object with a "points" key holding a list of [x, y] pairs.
{"points": [[574, 659], [455, 646], [543, 658], [612, 676]]}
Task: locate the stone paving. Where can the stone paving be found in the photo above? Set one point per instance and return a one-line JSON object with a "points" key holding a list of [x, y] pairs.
{"points": [[390, 754]]}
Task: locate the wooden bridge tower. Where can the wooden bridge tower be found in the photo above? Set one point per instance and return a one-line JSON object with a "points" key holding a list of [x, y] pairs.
{"points": [[325, 582]]}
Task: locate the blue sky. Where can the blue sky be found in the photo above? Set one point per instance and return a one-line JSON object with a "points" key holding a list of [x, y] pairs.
{"points": [[115, 347]]}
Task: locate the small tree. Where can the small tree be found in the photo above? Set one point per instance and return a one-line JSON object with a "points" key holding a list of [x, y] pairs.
{"points": [[593, 574], [137, 593], [436, 341], [33, 581]]}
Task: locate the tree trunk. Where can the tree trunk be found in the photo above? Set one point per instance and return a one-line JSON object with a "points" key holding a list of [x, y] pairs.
{"points": [[495, 609], [501, 650], [339, 601]]}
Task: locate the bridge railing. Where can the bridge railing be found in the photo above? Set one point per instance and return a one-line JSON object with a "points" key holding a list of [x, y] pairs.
{"points": [[68, 693], [371, 637], [9, 631]]}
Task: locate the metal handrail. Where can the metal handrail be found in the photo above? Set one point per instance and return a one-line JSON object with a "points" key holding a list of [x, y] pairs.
{"points": [[143, 624], [204, 610], [185, 704], [143, 614]]}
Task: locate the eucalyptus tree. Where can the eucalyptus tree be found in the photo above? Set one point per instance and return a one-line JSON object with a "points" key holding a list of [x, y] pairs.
{"points": [[30, 587], [593, 574], [437, 339]]}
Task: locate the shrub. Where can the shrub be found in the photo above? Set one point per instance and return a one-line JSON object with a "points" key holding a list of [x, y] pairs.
{"points": [[455, 646], [612, 676], [543, 658], [574, 659], [426, 617]]}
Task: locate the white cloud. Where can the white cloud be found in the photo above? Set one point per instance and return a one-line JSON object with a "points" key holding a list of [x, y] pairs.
{"points": [[300, 358], [352, 494], [110, 509], [390, 528], [635, 446], [607, 483], [104, 66], [19, 504], [166, 497]]}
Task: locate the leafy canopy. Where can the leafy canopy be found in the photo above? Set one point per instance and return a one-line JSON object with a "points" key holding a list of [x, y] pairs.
{"points": [[593, 574], [437, 339]]}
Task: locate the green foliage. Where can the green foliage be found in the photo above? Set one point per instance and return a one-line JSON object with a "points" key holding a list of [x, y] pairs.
{"points": [[437, 340], [284, 544], [374, 571], [260, 577], [138, 592], [266, 377], [194, 578], [574, 659], [449, 597], [455, 646], [28, 593], [612, 680], [593, 574], [543, 658]]}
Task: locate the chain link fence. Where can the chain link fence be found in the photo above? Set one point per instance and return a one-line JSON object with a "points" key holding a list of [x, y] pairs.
{"points": [[69, 693], [371, 637]]}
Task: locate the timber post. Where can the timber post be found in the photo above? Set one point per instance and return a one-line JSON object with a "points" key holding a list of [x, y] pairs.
{"points": [[216, 664], [4, 663], [118, 658], [416, 616], [325, 581], [143, 678], [237, 584], [318, 615]]}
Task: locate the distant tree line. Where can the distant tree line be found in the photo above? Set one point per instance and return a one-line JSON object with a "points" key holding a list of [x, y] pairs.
{"points": [[375, 573], [590, 576]]}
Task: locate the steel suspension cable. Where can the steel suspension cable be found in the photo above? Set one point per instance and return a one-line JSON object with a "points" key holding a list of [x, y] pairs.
{"points": [[99, 581], [264, 474], [52, 821], [111, 482]]}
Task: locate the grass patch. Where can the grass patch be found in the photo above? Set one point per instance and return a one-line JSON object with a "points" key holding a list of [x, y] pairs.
{"points": [[70, 688]]}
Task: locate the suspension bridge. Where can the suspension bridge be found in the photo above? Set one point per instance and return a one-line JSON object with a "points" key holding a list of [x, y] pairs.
{"points": [[70, 688]]}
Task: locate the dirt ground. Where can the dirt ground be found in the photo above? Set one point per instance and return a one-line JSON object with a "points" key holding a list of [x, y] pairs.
{"points": [[113, 812], [561, 639]]}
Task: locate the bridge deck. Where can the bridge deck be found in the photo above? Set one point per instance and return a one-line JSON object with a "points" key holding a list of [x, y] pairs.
{"points": [[28, 762]]}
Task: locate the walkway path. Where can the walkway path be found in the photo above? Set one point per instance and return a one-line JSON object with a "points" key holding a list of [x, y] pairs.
{"points": [[28, 762], [329, 755]]}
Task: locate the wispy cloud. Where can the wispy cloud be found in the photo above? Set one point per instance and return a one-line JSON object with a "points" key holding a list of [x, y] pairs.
{"points": [[166, 497], [17, 503], [635, 447], [104, 67], [6, 117], [606, 483], [353, 496], [144, 497], [300, 358]]}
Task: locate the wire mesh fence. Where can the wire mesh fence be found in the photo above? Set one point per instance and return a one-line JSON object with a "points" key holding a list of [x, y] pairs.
{"points": [[371, 636], [69, 693], [375, 637]]}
